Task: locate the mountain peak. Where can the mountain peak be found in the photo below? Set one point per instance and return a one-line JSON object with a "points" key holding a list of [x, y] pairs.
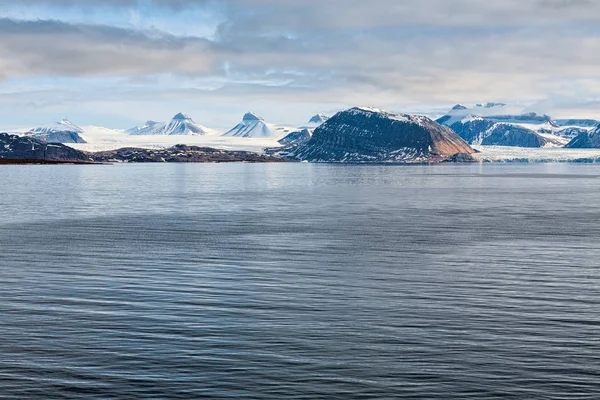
{"points": [[181, 117], [250, 116], [459, 107], [318, 119], [180, 124], [252, 126]]}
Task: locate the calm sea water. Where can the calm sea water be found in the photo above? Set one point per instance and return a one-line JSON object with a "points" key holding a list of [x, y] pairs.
{"points": [[300, 282]]}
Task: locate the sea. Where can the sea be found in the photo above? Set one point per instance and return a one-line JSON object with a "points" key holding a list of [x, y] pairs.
{"points": [[300, 281]]}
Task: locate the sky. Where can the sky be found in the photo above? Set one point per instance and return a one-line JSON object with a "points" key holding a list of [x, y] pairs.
{"points": [[118, 63]]}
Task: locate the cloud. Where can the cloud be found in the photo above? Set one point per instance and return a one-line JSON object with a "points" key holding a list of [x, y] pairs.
{"points": [[53, 48], [381, 52]]}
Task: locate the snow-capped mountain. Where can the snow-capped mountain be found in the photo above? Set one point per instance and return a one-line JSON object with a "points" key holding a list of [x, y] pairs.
{"points": [[497, 112], [579, 123], [58, 132], [297, 138], [365, 134], [146, 128], [253, 126], [512, 135], [482, 125], [181, 124], [586, 140], [318, 119]]}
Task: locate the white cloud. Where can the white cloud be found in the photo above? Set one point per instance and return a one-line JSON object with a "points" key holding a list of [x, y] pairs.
{"points": [[392, 54]]}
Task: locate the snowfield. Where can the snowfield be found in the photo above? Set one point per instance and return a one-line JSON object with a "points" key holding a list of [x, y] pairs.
{"points": [[536, 155], [103, 139]]}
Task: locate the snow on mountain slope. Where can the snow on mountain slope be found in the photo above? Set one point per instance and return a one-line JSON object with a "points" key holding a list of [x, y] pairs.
{"points": [[104, 139], [62, 126], [297, 138], [181, 124], [318, 119], [314, 122], [586, 140], [475, 124], [497, 112], [459, 112], [253, 126], [57, 132], [146, 128], [506, 154], [579, 123]]}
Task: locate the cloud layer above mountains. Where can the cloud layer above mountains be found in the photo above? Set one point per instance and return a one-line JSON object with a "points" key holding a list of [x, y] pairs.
{"points": [[224, 56]]}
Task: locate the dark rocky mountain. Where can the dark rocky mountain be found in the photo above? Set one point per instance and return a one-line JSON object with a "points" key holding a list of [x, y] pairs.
{"points": [[371, 135], [586, 140], [181, 154], [297, 138], [473, 130], [512, 135], [26, 148]]}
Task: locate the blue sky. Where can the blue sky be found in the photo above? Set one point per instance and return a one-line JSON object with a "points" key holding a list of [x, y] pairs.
{"points": [[118, 63]]}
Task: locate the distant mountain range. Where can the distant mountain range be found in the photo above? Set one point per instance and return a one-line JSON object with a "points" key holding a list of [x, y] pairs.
{"points": [[491, 125]]}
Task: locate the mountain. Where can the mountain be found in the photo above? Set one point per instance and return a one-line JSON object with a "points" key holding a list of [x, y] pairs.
{"points": [[497, 112], [512, 135], [58, 132], [586, 140], [572, 132], [372, 135], [580, 123], [297, 138], [137, 129], [472, 128], [28, 149], [318, 119], [181, 124], [252, 126], [493, 125], [482, 131]]}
